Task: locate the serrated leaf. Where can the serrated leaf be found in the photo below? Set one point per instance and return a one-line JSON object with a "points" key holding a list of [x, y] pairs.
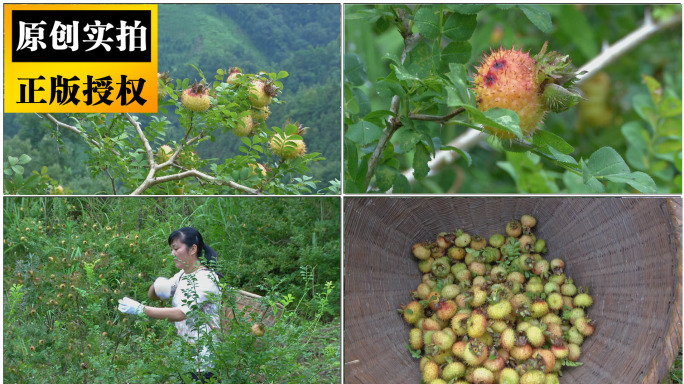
{"points": [[12, 160], [542, 137], [351, 106], [458, 94], [419, 61], [538, 16], [389, 87], [654, 88], [638, 180], [246, 141], [354, 69], [384, 177], [23, 159], [378, 117], [18, 169], [420, 162], [405, 139], [457, 52], [460, 27], [606, 161], [427, 21], [403, 74], [362, 101], [563, 158], [363, 133], [464, 154], [401, 184]]}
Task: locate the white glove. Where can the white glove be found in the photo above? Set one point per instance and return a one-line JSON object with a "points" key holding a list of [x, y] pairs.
{"points": [[162, 287], [130, 306]]}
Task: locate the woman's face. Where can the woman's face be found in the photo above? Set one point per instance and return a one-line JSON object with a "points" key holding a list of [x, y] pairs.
{"points": [[185, 258]]}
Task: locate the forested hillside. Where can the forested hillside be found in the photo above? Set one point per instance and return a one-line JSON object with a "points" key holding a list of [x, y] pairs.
{"points": [[303, 40]]}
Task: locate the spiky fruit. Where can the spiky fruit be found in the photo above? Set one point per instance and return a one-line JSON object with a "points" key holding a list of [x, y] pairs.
{"points": [[416, 338], [163, 80], [58, 190], [530, 86], [509, 376], [475, 353], [584, 326], [258, 329], [573, 352], [196, 98], [447, 309], [261, 113], [421, 251], [552, 378], [533, 376], [443, 340], [234, 74], [261, 92], [453, 370], [547, 358], [413, 312], [508, 79], [514, 228], [244, 126], [535, 336], [500, 310], [164, 153], [483, 375], [456, 253], [583, 300], [430, 371], [289, 146]]}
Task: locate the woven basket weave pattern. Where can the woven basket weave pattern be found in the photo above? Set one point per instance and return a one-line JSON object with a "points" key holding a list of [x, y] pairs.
{"points": [[627, 250]]}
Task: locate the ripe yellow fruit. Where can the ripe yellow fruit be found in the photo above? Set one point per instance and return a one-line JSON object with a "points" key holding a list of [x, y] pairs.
{"points": [[196, 98], [164, 154]]}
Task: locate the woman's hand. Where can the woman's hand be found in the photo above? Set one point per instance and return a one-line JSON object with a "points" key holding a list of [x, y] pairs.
{"points": [[130, 306]]}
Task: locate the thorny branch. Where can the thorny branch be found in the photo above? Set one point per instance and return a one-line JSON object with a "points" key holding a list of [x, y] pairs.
{"points": [[151, 180], [472, 137]]}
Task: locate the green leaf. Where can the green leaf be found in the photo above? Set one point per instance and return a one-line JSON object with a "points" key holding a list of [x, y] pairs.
{"points": [[378, 117], [460, 27], [503, 119], [654, 88], [538, 16], [637, 145], [362, 100], [363, 133], [403, 74], [670, 107], [246, 141], [419, 61], [427, 21], [638, 180], [606, 161], [575, 26], [458, 94], [23, 159], [405, 139], [643, 105], [420, 161], [389, 87], [464, 154], [457, 52], [12, 160], [283, 74], [384, 177], [563, 158], [505, 7], [401, 184], [354, 69], [589, 180], [542, 138], [467, 9], [18, 169], [351, 106]]}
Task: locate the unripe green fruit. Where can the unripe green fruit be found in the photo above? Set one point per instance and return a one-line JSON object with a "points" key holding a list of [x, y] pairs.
{"points": [[453, 370], [416, 338], [483, 375], [261, 92], [533, 377], [421, 251], [462, 241], [509, 376], [583, 300]]}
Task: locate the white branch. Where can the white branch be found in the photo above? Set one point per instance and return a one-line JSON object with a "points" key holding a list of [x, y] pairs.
{"points": [[192, 173]]}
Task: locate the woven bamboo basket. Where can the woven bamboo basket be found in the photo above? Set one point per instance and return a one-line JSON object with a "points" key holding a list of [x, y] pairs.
{"points": [[248, 303], [626, 250]]}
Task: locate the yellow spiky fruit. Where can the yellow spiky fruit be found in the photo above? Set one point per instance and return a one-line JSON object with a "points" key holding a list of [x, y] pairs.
{"points": [[196, 98], [234, 74], [279, 146], [244, 126], [508, 79]]}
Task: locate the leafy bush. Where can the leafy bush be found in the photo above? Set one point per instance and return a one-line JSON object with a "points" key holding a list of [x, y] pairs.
{"points": [[68, 260]]}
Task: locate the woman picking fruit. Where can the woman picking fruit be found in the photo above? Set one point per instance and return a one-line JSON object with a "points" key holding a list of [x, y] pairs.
{"points": [[191, 288]]}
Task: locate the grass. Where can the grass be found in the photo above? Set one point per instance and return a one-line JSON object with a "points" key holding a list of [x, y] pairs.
{"points": [[675, 376]]}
